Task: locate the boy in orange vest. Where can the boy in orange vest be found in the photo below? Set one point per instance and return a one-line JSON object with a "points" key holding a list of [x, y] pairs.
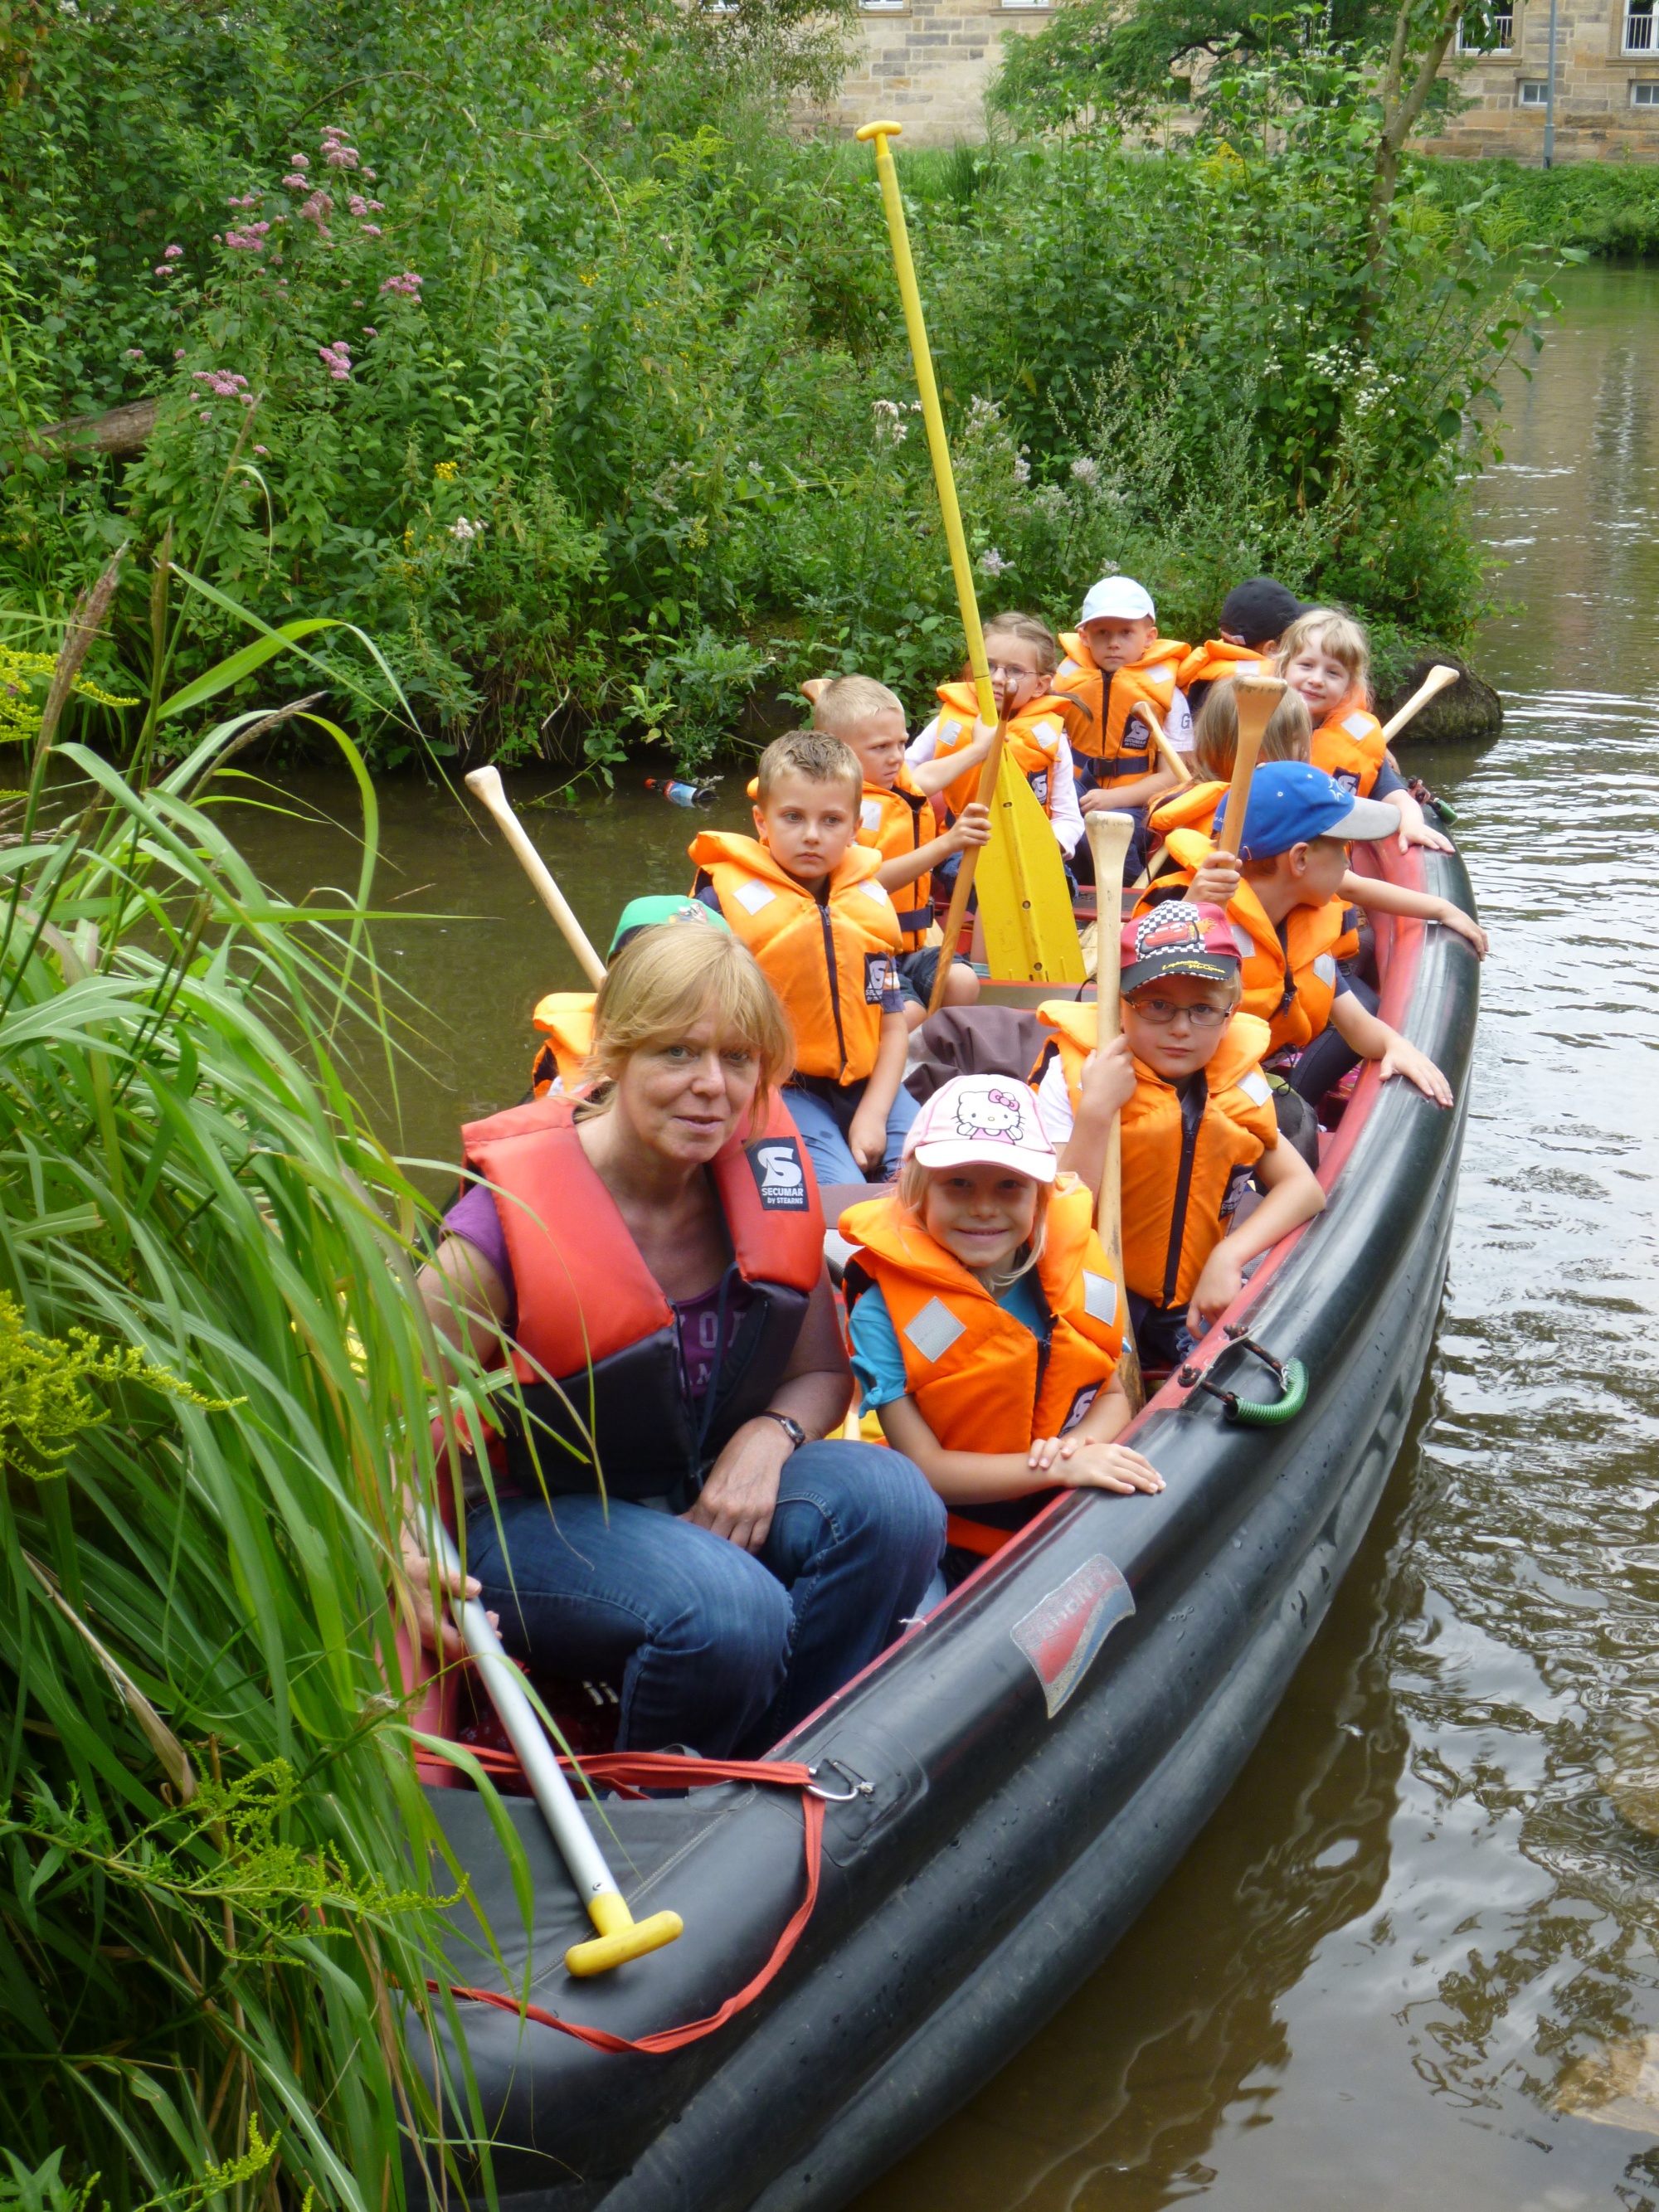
{"points": [[1253, 618], [1197, 1121], [807, 900], [897, 819], [1119, 676], [1284, 886]]}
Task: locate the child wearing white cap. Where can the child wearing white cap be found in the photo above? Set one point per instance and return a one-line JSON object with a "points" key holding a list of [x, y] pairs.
{"points": [[1119, 676], [985, 1316]]}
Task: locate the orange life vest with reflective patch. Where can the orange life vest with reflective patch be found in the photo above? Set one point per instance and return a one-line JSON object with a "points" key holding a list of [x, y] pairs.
{"points": [[1122, 748], [1178, 1192], [1031, 740], [1192, 807], [593, 1318], [1290, 986], [980, 1378], [1215, 660], [1349, 746], [896, 823], [565, 1018], [828, 960]]}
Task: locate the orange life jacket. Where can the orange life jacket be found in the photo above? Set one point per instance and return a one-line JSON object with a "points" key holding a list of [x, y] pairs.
{"points": [[1192, 807], [1117, 748], [1215, 660], [896, 822], [1290, 986], [828, 960], [594, 1318], [1178, 1190], [565, 1018], [1032, 739], [1348, 744], [980, 1378]]}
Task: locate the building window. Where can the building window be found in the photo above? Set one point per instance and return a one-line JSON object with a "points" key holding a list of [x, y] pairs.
{"points": [[1498, 37], [884, 7], [1638, 27], [1025, 4], [1645, 95], [1534, 95]]}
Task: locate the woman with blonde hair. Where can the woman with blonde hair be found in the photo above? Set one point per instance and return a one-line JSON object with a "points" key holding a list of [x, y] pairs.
{"points": [[648, 1263]]}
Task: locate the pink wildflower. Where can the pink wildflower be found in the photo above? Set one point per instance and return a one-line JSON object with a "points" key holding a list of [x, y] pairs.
{"points": [[371, 230], [341, 157], [172, 252], [135, 353], [299, 162], [409, 285], [358, 205], [296, 182], [265, 450], [248, 399], [337, 360], [207, 414], [318, 210], [369, 174], [178, 353], [369, 331]]}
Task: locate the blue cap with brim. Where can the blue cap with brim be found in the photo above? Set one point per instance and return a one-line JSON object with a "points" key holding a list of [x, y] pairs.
{"points": [[650, 913], [1292, 801]]}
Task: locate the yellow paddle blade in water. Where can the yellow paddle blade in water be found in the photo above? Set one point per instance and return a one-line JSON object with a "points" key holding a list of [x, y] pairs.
{"points": [[1030, 932]]}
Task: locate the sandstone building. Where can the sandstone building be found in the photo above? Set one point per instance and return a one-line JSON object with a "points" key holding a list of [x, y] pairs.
{"points": [[927, 63]]}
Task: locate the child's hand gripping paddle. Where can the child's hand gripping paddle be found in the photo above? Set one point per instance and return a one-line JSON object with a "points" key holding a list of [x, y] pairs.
{"points": [[1431, 687], [485, 784], [1256, 697], [621, 1936], [1110, 839], [1166, 752]]}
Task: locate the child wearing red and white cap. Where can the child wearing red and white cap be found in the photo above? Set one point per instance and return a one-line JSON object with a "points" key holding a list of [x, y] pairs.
{"points": [[985, 1317], [1198, 1124]]}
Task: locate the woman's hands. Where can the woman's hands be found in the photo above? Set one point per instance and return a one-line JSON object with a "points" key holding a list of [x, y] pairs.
{"points": [[438, 1632], [741, 1494], [1087, 1463]]}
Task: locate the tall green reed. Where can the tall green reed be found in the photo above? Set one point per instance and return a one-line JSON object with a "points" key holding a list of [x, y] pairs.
{"points": [[221, 1889]]}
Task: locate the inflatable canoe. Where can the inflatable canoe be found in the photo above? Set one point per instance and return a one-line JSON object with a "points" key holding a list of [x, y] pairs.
{"points": [[1000, 1794]]}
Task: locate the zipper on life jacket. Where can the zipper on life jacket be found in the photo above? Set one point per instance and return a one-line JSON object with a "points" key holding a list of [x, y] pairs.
{"points": [[1183, 1190], [834, 983]]}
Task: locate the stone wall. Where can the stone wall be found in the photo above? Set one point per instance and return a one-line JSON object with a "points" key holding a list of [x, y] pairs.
{"points": [[926, 63], [1596, 115]]}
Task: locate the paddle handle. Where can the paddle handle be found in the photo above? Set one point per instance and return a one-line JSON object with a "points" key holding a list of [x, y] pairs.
{"points": [[485, 784], [1431, 687], [964, 882], [1166, 752], [1256, 697], [1109, 838]]}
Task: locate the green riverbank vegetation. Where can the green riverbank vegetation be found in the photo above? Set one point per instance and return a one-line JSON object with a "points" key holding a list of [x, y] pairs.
{"points": [[537, 347], [1609, 209]]}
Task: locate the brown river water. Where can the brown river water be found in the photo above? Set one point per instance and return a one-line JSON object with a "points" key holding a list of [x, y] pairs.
{"points": [[1410, 1962]]}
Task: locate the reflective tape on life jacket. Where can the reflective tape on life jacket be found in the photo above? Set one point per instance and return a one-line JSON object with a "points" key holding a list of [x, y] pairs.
{"points": [[1190, 807], [593, 1319], [1179, 1187], [1215, 660], [565, 1018], [896, 822], [1349, 746], [1291, 986], [1031, 739], [828, 960], [1120, 747], [980, 1378]]}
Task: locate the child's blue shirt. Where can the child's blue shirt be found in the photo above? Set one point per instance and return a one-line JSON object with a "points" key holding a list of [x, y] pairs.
{"points": [[878, 1361]]}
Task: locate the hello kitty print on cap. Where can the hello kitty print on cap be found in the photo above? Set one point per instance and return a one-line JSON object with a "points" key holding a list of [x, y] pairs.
{"points": [[982, 1117]]}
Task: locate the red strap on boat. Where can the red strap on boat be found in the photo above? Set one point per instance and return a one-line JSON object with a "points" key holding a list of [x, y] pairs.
{"points": [[635, 1772]]}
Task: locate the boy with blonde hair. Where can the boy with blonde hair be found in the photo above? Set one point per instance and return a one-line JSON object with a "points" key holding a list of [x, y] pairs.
{"points": [[1118, 678]]}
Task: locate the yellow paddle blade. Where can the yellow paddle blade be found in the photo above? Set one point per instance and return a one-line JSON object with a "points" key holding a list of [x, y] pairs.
{"points": [[1030, 932]]}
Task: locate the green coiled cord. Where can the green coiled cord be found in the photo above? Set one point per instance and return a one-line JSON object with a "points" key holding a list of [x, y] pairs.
{"points": [[1256, 1415]]}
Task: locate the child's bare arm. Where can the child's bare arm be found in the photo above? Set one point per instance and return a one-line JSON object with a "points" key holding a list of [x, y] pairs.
{"points": [[1379, 898], [941, 772], [1374, 1039], [866, 1138], [971, 827], [1108, 1085], [1294, 1196], [1081, 1461], [1413, 826]]}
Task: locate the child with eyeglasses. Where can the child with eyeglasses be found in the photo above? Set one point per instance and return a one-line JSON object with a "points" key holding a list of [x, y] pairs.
{"points": [[1198, 1124]]}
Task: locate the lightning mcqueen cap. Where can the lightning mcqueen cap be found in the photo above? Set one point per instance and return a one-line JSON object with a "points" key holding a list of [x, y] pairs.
{"points": [[1176, 938]]}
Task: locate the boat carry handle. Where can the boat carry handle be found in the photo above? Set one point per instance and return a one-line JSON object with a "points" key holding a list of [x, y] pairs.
{"points": [[1291, 1375], [861, 1788]]}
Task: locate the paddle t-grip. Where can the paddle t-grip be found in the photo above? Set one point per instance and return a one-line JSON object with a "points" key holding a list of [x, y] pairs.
{"points": [[1256, 697], [620, 1937], [1433, 684]]}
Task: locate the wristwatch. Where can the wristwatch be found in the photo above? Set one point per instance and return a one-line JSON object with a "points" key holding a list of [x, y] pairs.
{"points": [[791, 1427]]}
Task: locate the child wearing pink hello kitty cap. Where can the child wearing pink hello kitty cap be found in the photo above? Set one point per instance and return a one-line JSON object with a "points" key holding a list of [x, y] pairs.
{"points": [[985, 1316]]}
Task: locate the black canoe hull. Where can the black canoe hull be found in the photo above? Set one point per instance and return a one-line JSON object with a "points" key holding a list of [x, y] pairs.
{"points": [[1006, 1847]]}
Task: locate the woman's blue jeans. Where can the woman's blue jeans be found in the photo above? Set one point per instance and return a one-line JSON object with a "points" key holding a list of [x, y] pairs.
{"points": [[714, 1647]]}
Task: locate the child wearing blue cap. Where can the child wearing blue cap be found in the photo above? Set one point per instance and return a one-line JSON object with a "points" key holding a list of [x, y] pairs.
{"points": [[1281, 895]]}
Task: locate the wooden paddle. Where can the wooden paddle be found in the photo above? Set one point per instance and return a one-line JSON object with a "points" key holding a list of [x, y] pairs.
{"points": [[1167, 752], [1431, 687], [965, 871], [1257, 696], [1110, 839], [485, 784]]}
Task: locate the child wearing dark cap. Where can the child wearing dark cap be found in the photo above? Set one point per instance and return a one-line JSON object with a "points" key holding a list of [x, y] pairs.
{"points": [[1198, 1122], [1255, 616]]}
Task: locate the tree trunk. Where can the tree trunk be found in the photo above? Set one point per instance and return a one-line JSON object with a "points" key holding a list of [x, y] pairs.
{"points": [[1400, 110], [120, 433]]}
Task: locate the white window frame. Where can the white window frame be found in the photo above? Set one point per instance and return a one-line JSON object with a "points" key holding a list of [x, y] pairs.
{"points": [[1027, 7], [884, 7], [1503, 16], [1645, 84], [1536, 85], [1639, 20]]}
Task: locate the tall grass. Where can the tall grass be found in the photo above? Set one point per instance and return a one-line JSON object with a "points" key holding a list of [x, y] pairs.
{"points": [[218, 1903]]}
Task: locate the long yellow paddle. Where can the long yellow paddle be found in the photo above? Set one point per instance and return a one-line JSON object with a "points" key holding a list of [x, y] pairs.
{"points": [[485, 784], [1432, 684], [1037, 918], [1109, 838], [1257, 696]]}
